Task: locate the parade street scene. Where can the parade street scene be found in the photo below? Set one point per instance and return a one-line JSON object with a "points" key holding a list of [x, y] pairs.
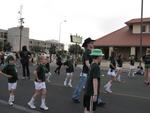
{"points": [[129, 96], [75, 56]]}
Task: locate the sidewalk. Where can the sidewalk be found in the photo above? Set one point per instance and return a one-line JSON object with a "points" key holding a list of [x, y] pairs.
{"points": [[126, 65], [105, 65]]}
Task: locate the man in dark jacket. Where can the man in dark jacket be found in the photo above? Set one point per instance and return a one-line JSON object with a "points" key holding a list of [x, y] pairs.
{"points": [[59, 63], [25, 56], [87, 60]]}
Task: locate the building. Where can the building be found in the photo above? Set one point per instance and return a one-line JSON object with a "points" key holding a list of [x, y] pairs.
{"points": [[3, 38], [14, 38], [39, 45], [127, 39]]}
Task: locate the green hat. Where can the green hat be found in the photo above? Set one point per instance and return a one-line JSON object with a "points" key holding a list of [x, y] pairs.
{"points": [[9, 58], [97, 52]]}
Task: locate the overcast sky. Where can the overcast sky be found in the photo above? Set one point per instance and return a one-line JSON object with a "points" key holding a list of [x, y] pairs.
{"points": [[87, 18]]}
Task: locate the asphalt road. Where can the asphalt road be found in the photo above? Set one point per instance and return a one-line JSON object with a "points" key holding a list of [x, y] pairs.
{"points": [[132, 96]]}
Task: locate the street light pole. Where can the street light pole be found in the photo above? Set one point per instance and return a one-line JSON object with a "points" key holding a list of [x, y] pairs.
{"points": [[60, 32], [141, 33], [21, 28], [21, 21]]}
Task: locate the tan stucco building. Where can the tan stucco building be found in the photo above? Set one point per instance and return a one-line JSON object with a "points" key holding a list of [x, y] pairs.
{"points": [[12, 35], [3, 37], [14, 38]]}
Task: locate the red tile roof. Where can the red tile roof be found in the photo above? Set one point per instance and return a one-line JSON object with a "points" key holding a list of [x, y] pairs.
{"points": [[123, 37], [138, 20]]}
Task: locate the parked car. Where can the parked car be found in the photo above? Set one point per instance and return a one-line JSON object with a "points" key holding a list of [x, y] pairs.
{"points": [[6, 54]]}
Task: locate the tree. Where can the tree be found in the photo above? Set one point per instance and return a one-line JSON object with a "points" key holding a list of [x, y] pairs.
{"points": [[75, 49], [52, 49], [36, 49]]}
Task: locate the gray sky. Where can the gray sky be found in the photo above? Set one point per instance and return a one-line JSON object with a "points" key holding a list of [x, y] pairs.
{"points": [[88, 18]]}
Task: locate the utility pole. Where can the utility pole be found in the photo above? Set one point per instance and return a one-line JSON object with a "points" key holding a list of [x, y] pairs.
{"points": [[141, 34], [60, 25], [21, 22]]}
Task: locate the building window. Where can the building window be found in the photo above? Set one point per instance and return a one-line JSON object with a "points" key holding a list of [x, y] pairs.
{"points": [[1, 35], [144, 28], [131, 27], [5, 35]]}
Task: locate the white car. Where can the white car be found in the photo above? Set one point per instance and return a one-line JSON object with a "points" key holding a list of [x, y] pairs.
{"points": [[6, 54]]}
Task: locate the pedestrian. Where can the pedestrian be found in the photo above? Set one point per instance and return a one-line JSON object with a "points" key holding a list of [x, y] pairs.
{"points": [[111, 72], [69, 71], [32, 58], [132, 67], [10, 71], [17, 56], [2, 58], [59, 64], [146, 59], [140, 69], [25, 56], [119, 67], [40, 86], [17, 59], [87, 60], [92, 89]]}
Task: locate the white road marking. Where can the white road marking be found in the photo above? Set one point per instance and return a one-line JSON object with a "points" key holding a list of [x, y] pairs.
{"points": [[21, 108], [128, 95]]}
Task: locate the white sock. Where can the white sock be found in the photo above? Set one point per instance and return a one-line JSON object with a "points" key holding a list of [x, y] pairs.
{"points": [[32, 100], [118, 78], [49, 73], [43, 101], [70, 81], [11, 97], [108, 85], [65, 81]]}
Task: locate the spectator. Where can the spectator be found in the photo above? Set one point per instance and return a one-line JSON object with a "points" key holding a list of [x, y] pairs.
{"points": [[59, 63], [140, 70], [2, 58], [25, 56], [146, 59], [132, 67]]}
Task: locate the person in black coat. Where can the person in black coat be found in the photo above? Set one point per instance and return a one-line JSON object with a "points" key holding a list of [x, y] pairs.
{"points": [[59, 64], [25, 56]]}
